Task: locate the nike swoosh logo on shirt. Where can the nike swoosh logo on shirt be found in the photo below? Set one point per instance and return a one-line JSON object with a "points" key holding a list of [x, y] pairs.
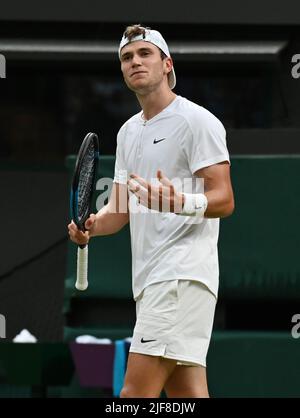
{"points": [[146, 341], [156, 141]]}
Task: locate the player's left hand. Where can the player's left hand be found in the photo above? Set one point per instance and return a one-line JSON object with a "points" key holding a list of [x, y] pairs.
{"points": [[162, 198]]}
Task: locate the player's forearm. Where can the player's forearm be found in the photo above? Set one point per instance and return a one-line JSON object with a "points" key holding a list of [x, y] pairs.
{"points": [[220, 204], [108, 221]]}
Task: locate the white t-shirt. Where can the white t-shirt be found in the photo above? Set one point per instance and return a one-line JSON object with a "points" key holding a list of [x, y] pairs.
{"points": [[180, 140]]}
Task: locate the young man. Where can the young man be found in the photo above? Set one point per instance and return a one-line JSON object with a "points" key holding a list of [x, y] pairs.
{"points": [[174, 238]]}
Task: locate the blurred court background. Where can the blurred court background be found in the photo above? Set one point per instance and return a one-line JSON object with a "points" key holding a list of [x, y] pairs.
{"points": [[63, 80]]}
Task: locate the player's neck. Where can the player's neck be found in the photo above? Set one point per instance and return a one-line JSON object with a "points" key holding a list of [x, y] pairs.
{"points": [[155, 102]]}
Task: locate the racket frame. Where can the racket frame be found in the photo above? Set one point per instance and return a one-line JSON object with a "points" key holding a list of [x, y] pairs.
{"points": [[82, 252], [75, 182]]}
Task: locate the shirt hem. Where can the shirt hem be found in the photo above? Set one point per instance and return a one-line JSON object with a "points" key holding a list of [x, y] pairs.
{"points": [[212, 289]]}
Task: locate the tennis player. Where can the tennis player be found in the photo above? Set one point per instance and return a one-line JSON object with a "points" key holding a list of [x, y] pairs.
{"points": [[174, 238]]}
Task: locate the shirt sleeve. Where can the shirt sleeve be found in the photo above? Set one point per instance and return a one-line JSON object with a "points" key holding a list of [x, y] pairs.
{"points": [[120, 175], [207, 143]]}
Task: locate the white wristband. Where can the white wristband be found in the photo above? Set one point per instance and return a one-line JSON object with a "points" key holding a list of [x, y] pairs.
{"points": [[194, 205]]}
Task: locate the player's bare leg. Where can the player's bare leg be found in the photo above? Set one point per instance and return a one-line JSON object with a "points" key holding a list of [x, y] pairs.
{"points": [[187, 382], [146, 376]]}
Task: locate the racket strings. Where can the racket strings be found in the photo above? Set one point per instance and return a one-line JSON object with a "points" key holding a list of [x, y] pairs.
{"points": [[86, 181]]}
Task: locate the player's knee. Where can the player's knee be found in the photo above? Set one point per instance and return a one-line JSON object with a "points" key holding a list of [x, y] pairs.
{"points": [[132, 391]]}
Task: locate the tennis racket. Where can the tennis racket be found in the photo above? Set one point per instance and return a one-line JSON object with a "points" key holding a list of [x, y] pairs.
{"points": [[81, 199]]}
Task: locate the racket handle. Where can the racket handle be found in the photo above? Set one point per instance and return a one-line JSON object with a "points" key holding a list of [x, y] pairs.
{"points": [[82, 268]]}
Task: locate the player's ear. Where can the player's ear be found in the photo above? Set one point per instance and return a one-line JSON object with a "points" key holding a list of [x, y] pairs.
{"points": [[168, 64]]}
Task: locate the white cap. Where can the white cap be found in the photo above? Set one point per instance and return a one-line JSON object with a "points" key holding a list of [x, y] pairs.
{"points": [[155, 38]]}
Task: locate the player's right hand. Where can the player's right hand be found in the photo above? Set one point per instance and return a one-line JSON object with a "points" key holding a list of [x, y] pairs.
{"points": [[79, 237]]}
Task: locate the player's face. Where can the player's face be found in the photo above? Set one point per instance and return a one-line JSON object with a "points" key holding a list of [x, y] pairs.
{"points": [[142, 66]]}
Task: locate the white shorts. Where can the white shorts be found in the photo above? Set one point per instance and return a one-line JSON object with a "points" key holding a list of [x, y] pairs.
{"points": [[174, 321]]}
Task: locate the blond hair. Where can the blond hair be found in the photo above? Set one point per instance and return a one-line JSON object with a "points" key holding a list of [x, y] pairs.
{"points": [[134, 30]]}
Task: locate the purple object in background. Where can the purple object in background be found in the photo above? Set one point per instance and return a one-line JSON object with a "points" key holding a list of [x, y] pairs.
{"points": [[94, 364]]}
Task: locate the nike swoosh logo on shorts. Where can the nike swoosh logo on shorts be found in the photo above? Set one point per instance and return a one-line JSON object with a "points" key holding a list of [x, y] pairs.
{"points": [[146, 341], [156, 141]]}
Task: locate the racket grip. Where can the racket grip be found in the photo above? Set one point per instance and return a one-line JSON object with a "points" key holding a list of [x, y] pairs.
{"points": [[82, 268]]}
